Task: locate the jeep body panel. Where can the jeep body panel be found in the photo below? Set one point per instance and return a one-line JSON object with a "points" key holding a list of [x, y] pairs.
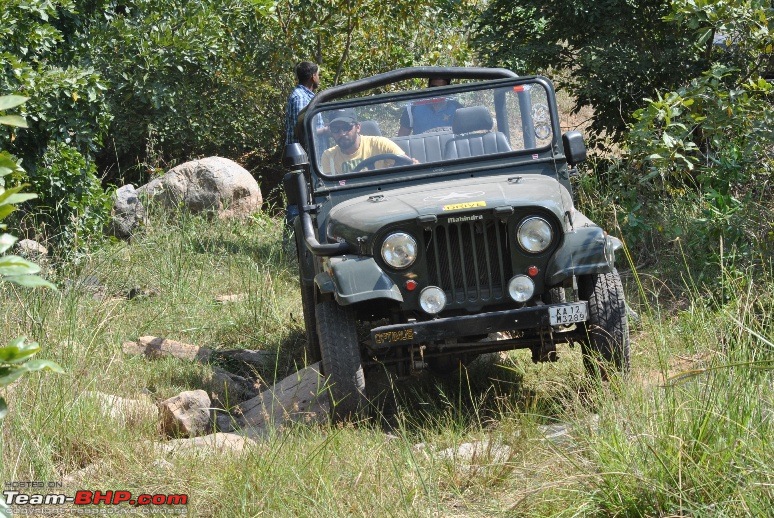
{"points": [[362, 217]]}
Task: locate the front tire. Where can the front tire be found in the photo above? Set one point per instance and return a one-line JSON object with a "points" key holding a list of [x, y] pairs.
{"points": [[310, 324], [337, 332], [607, 342]]}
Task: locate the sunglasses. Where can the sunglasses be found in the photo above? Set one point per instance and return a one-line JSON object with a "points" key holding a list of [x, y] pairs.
{"points": [[341, 127]]}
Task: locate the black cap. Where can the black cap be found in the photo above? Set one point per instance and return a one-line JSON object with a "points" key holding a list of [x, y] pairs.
{"points": [[344, 115]]}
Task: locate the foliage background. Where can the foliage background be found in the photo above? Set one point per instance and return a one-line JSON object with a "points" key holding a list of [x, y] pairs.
{"points": [[122, 91]]}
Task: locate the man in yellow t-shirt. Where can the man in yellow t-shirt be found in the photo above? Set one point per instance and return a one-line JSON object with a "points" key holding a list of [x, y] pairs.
{"points": [[352, 148]]}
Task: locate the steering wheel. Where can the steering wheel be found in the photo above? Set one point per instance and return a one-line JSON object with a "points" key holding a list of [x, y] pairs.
{"points": [[370, 162]]}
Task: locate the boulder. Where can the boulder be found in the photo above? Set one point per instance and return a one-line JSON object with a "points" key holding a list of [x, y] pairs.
{"points": [[127, 214], [211, 185], [185, 415], [31, 249], [299, 398]]}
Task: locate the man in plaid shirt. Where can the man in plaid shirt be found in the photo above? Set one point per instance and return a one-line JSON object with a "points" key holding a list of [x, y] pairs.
{"points": [[308, 75]]}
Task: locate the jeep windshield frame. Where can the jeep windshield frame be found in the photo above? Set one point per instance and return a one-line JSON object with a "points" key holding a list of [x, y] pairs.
{"points": [[508, 96]]}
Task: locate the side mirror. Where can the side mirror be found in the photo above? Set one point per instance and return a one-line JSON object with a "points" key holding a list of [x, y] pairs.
{"points": [[574, 147], [294, 157]]}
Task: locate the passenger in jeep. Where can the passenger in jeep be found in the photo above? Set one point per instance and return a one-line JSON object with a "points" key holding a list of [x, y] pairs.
{"points": [[353, 151], [431, 114]]}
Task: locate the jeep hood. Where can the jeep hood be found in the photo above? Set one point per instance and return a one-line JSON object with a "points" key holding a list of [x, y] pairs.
{"points": [[363, 216]]}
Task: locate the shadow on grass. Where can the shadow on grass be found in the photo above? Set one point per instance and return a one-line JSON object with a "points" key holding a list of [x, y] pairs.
{"points": [[269, 251], [475, 396]]}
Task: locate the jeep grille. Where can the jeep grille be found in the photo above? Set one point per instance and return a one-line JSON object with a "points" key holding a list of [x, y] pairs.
{"points": [[469, 260]]}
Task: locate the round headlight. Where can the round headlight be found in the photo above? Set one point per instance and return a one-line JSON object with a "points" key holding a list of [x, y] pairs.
{"points": [[432, 300], [534, 234], [521, 288], [399, 250]]}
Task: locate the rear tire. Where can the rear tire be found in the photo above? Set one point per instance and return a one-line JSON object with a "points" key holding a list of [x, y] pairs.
{"points": [[337, 330], [607, 328]]}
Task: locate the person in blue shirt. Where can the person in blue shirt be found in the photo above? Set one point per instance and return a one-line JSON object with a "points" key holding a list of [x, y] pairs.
{"points": [[308, 75], [430, 114]]}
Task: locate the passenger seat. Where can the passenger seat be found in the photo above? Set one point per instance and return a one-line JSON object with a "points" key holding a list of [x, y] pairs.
{"points": [[473, 135]]}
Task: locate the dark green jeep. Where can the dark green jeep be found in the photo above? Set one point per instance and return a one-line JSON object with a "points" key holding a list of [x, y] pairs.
{"points": [[457, 238]]}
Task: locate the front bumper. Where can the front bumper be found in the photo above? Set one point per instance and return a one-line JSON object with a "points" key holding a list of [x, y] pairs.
{"points": [[469, 325]]}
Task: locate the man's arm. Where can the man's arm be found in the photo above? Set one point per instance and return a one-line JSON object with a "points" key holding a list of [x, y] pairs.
{"points": [[388, 146]]}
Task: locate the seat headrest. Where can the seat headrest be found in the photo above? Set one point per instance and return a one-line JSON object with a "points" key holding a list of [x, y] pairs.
{"points": [[370, 128], [475, 118]]}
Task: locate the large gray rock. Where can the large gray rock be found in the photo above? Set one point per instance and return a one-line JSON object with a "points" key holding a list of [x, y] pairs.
{"points": [[213, 185], [299, 398], [128, 212]]}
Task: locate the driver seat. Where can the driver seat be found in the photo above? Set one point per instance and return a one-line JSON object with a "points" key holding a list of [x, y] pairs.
{"points": [[473, 135]]}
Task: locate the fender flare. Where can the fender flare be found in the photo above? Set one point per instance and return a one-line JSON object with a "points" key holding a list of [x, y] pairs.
{"points": [[356, 279]]}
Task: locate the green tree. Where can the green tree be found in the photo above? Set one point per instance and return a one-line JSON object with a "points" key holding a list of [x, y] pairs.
{"points": [[711, 138], [43, 55], [613, 54]]}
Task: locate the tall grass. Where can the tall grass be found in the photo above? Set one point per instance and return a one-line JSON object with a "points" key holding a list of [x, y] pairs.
{"points": [[698, 444], [695, 444]]}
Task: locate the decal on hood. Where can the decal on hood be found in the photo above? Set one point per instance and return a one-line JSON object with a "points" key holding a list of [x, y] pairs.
{"points": [[455, 196], [465, 205]]}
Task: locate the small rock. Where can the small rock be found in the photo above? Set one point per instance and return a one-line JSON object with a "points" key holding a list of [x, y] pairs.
{"points": [[480, 452], [235, 297], [185, 415], [126, 412], [155, 347], [215, 443], [31, 249]]}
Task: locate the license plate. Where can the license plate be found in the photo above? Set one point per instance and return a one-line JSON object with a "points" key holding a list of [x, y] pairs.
{"points": [[568, 313]]}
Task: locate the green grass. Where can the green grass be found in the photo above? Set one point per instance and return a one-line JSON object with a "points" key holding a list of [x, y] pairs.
{"points": [[695, 444]]}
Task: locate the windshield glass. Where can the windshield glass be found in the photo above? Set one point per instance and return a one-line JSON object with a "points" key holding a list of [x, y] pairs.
{"points": [[432, 127]]}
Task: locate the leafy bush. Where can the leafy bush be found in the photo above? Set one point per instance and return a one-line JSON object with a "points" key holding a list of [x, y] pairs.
{"points": [[42, 55], [711, 140], [15, 358]]}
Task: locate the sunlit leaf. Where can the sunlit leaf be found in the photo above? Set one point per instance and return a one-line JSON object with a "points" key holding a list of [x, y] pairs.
{"points": [[6, 242], [13, 120], [12, 101], [31, 281], [39, 365]]}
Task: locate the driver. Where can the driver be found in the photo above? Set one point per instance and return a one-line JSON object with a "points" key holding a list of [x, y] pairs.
{"points": [[352, 148]]}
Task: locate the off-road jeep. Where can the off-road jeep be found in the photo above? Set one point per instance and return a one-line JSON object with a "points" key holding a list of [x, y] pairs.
{"points": [[469, 244]]}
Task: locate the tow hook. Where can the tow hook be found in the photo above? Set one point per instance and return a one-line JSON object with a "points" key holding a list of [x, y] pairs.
{"points": [[546, 351]]}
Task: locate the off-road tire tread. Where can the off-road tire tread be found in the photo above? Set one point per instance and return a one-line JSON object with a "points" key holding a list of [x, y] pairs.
{"points": [[607, 326], [310, 323], [341, 362]]}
